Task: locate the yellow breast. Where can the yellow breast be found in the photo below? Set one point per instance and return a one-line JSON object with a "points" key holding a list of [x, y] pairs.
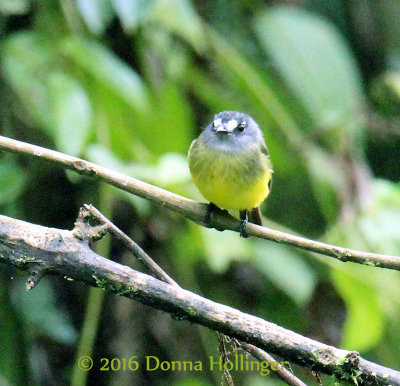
{"points": [[231, 181]]}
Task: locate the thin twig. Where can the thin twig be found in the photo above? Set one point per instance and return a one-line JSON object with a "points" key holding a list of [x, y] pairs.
{"points": [[136, 250], [196, 211], [223, 352], [284, 374]]}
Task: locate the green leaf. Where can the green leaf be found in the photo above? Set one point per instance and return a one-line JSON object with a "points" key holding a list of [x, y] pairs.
{"points": [[171, 169], [385, 91], [192, 381], [109, 70], [56, 101], [325, 180], [12, 180], [370, 294], [71, 113], [365, 321], [316, 64], [211, 93], [169, 127], [259, 87], [132, 13], [96, 13], [286, 268], [180, 17], [41, 314], [375, 228], [14, 7], [26, 58], [11, 341], [223, 248], [105, 157]]}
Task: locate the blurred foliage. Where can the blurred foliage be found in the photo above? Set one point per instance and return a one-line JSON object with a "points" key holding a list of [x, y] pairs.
{"points": [[128, 84]]}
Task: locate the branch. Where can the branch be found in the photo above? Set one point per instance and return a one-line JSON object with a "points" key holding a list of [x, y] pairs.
{"points": [[60, 252], [196, 211], [84, 230]]}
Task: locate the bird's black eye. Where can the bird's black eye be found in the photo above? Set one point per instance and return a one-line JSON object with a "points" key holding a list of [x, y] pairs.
{"points": [[241, 127]]}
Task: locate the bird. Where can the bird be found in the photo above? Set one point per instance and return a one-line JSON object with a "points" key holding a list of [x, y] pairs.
{"points": [[230, 165]]}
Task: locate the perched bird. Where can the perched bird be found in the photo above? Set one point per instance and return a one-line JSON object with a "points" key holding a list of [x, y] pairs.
{"points": [[230, 165]]}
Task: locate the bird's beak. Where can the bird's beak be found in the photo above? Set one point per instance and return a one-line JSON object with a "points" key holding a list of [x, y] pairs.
{"points": [[222, 129], [226, 127]]}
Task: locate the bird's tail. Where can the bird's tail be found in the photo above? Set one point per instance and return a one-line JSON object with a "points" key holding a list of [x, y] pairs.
{"points": [[255, 216]]}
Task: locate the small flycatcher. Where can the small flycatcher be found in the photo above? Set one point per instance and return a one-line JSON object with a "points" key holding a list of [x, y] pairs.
{"points": [[230, 165]]}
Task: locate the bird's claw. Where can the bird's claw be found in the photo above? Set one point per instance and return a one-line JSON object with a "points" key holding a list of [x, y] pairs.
{"points": [[243, 223]]}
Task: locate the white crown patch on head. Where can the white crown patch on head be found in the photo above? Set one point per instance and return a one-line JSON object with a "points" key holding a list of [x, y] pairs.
{"points": [[231, 125], [217, 122]]}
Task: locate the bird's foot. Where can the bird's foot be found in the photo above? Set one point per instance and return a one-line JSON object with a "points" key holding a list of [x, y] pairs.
{"points": [[244, 219]]}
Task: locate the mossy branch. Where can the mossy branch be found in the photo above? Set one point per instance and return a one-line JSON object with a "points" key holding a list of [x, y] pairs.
{"points": [[66, 253]]}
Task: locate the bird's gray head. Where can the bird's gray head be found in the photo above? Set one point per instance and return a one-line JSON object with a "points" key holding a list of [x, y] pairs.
{"points": [[232, 131]]}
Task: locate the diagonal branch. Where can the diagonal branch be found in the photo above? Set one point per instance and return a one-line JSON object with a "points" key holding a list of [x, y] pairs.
{"points": [[283, 373], [196, 211], [82, 230], [48, 250]]}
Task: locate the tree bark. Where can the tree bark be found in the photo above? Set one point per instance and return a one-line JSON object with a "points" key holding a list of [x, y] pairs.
{"points": [[41, 250]]}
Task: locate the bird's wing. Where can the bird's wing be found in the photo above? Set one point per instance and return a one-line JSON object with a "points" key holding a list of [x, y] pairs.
{"points": [[264, 150]]}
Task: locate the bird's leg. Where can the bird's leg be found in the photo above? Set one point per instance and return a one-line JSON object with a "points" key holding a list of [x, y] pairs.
{"points": [[211, 209], [243, 222]]}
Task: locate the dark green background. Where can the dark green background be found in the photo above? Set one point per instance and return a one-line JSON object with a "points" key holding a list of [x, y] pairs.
{"points": [[129, 84]]}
